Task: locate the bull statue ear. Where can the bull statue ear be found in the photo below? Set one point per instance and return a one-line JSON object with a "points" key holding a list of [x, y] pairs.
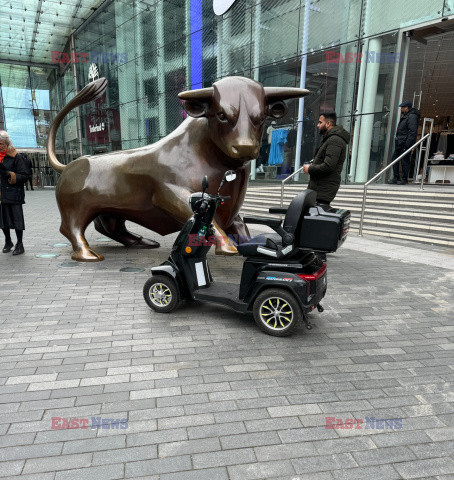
{"points": [[275, 97], [196, 102], [276, 109], [195, 109]]}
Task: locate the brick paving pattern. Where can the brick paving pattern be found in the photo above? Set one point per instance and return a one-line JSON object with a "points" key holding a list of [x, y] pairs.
{"points": [[205, 393]]}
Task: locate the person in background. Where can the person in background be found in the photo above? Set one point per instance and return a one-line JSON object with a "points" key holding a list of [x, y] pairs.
{"points": [[406, 134], [13, 175], [326, 167], [28, 163]]}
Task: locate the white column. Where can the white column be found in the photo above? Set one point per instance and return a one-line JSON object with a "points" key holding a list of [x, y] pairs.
{"points": [[299, 135], [160, 68], [127, 78], [226, 39], [257, 21], [219, 47], [140, 90], [366, 15], [76, 91], [367, 121], [358, 111], [187, 20]]}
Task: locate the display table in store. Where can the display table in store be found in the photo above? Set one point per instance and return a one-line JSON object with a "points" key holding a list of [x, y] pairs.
{"points": [[441, 173], [270, 171]]}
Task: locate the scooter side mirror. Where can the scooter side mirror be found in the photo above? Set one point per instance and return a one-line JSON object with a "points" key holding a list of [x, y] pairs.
{"points": [[204, 183], [230, 176]]}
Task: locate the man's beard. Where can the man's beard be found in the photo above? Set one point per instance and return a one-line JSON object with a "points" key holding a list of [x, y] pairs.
{"points": [[322, 131]]}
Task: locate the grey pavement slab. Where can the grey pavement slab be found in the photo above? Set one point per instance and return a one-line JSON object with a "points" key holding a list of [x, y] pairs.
{"points": [[366, 394]]}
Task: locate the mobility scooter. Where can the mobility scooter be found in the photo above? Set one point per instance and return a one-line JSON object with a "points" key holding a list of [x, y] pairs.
{"points": [[282, 278]]}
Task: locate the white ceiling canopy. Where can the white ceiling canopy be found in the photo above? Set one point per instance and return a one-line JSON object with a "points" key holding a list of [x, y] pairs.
{"points": [[32, 29]]}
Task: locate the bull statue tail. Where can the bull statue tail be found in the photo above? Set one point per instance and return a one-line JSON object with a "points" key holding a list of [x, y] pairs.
{"points": [[90, 92]]}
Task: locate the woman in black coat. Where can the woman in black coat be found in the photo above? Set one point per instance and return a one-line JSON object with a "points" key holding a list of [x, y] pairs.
{"points": [[13, 175]]}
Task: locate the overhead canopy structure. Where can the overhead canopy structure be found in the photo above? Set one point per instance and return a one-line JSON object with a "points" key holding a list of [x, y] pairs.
{"points": [[32, 29]]}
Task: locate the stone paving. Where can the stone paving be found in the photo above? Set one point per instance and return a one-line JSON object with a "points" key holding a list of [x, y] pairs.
{"points": [[205, 394]]}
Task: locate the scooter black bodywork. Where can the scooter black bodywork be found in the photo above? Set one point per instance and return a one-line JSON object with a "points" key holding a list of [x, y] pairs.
{"points": [[282, 278]]}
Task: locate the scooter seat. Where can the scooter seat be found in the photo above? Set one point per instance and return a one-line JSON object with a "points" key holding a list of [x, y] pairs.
{"points": [[284, 241], [268, 240]]}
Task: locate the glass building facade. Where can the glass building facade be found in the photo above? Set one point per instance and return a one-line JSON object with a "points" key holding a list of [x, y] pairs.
{"points": [[29, 99], [150, 50]]}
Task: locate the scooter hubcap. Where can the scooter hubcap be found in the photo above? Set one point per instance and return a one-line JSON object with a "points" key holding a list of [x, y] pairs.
{"points": [[276, 313], [160, 294]]}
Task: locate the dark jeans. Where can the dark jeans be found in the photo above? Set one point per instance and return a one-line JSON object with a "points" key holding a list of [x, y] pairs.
{"points": [[405, 161], [29, 181]]}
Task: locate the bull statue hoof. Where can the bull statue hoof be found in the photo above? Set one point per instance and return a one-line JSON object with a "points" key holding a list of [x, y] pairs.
{"points": [[151, 185], [87, 255], [227, 250]]}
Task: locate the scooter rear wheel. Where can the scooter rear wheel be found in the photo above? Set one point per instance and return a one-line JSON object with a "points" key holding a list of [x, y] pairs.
{"points": [[161, 293], [277, 312]]}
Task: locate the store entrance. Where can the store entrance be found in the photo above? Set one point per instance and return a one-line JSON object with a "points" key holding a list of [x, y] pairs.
{"points": [[429, 85]]}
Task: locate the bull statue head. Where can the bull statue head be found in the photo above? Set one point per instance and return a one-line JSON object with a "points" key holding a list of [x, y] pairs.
{"points": [[236, 109]]}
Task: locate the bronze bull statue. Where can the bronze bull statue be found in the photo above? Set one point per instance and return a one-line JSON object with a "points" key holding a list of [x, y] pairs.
{"points": [[151, 185]]}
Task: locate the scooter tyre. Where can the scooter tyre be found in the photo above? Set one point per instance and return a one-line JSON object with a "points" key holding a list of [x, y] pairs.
{"points": [[167, 283], [271, 294]]}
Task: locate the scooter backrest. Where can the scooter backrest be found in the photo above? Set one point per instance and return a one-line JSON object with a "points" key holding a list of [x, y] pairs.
{"points": [[299, 207]]}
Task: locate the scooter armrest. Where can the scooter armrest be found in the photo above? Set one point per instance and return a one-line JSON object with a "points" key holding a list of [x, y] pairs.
{"points": [[268, 221], [275, 224], [280, 210]]}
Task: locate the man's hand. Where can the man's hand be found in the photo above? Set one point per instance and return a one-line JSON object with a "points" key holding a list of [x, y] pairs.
{"points": [[306, 168]]}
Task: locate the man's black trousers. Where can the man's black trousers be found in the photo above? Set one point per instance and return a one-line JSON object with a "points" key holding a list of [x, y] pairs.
{"points": [[405, 161]]}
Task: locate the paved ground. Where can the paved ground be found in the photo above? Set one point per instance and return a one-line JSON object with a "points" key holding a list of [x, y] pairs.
{"points": [[208, 396]]}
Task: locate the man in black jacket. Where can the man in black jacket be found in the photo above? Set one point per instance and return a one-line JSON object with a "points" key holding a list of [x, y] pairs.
{"points": [[326, 168], [28, 164], [406, 134]]}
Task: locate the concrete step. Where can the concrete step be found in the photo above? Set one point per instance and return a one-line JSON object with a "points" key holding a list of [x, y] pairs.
{"points": [[446, 205], [397, 212], [401, 232], [409, 190], [439, 228], [424, 213], [421, 217], [444, 197]]}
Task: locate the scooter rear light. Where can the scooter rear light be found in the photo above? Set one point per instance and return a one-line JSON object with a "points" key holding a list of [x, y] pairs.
{"points": [[313, 276]]}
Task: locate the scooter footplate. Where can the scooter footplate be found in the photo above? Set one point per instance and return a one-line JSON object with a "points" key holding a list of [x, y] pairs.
{"points": [[224, 293]]}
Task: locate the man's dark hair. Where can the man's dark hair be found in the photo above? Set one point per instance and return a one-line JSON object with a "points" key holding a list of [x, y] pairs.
{"points": [[330, 116]]}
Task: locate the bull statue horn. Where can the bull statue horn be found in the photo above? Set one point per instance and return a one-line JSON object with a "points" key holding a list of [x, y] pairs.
{"points": [[199, 94], [283, 93]]}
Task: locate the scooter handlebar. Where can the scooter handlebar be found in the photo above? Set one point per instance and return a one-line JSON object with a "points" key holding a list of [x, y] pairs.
{"points": [[205, 203]]}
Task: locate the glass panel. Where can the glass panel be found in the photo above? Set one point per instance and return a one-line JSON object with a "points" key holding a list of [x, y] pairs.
{"points": [[448, 8], [372, 124], [389, 14], [23, 38], [271, 18], [332, 23]]}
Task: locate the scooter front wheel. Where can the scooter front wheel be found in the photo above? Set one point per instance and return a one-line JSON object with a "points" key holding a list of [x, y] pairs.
{"points": [[277, 312], [161, 293]]}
